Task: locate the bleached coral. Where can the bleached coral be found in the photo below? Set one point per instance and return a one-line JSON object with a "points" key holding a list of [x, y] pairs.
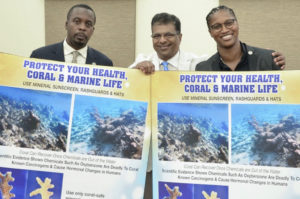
{"points": [[280, 139], [213, 195], [43, 191], [124, 135], [173, 193]]}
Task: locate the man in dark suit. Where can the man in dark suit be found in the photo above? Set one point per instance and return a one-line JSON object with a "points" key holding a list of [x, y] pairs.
{"points": [[80, 23], [232, 54]]}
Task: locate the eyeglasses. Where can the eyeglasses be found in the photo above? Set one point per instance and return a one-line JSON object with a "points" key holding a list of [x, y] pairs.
{"points": [[167, 35], [228, 24]]}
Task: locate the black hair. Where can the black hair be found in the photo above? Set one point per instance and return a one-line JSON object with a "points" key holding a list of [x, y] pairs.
{"points": [[81, 6], [217, 9], [166, 18]]}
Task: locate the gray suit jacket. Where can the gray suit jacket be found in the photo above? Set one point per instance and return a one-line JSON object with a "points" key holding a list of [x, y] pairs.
{"points": [[258, 59], [56, 52]]}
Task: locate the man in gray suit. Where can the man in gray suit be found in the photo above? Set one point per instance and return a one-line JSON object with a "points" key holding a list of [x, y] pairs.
{"points": [[233, 55], [80, 23]]}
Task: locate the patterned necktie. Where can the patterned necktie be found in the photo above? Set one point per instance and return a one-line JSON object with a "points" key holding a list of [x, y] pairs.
{"points": [[75, 55], [165, 65]]}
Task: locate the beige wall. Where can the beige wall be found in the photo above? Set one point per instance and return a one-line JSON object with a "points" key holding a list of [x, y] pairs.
{"points": [[193, 26], [114, 33], [270, 24], [22, 26], [273, 24]]}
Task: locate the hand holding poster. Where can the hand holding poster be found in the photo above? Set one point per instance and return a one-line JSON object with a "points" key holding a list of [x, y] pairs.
{"points": [[72, 131], [79, 131]]}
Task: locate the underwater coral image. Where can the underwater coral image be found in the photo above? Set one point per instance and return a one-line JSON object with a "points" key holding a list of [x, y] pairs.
{"points": [[5, 187], [202, 191], [12, 183], [21, 184], [267, 135], [168, 190], [193, 132], [34, 119], [171, 190], [46, 185], [108, 127]]}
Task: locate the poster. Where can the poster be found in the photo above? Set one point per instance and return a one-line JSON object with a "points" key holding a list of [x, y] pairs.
{"points": [[72, 131], [226, 135]]}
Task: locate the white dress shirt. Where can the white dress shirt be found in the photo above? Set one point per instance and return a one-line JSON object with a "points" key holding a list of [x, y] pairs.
{"points": [[68, 50], [182, 61]]}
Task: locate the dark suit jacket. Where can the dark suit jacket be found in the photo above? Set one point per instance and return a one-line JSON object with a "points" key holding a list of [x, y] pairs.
{"points": [[56, 52], [258, 59]]}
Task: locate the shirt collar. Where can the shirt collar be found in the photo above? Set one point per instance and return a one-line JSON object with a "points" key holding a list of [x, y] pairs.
{"points": [[174, 61], [242, 65], [68, 49]]}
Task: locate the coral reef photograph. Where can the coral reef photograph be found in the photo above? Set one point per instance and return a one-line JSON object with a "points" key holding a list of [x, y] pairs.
{"points": [[21, 184], [266, 135], [45, 185], [108, 127], [204, 191], [12, 183], [34, 119], [171, 190], [193, 132]]}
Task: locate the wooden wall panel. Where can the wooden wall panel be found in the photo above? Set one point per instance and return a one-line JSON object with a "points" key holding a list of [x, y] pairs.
{"points": [[114, 33], [273, 24]]}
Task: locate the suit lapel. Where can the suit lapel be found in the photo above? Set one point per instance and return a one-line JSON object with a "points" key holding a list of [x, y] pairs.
{"points": [[90, 56], [59, 52], [215, 62], [251, 53], [252, 58]]}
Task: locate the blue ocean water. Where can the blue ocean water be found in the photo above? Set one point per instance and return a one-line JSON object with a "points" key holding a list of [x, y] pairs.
{"points": [[83, 122], [242, 132], [215, 114], [108, 106], [59, 103]]}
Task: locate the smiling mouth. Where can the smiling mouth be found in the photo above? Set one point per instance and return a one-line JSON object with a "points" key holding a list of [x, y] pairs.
{"points": [[226, 37], [164, 47]]}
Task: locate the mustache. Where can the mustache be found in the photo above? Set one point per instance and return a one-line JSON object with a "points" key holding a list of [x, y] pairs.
{"points": [[81, 35]]}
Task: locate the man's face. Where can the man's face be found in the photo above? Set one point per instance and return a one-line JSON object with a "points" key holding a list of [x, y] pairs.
{"points": [[80, 27], [165, 40], [224, 28]]}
